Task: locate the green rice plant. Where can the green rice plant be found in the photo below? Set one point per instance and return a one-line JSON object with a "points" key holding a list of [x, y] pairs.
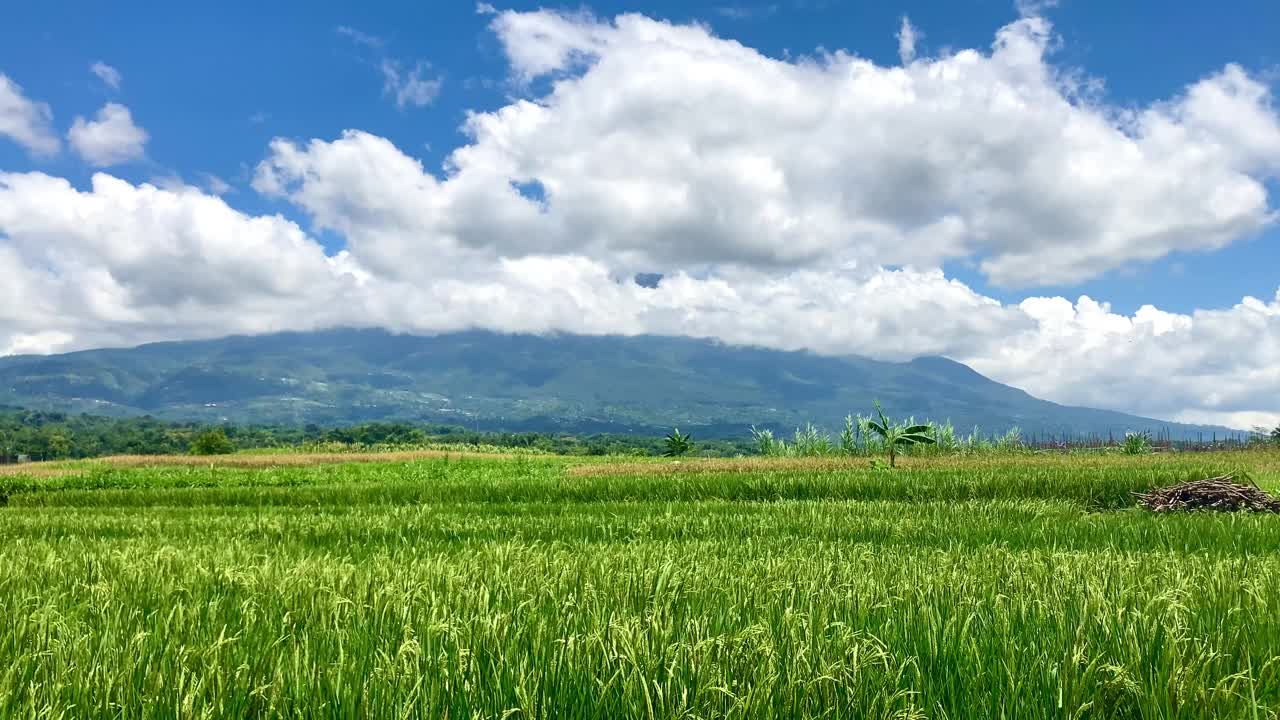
{"points": [[962, 586]]}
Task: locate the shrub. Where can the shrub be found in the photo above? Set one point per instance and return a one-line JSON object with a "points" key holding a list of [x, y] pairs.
{"points": [[1136, 443], [213, 442]]}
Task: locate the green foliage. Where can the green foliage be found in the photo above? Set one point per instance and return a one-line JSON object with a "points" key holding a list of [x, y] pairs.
{"points": [[896, 436], [849, 437], [212, 442], [1011, 441], [944, 437], [977, 442], [1136, 443], [484, 588], [55, 436], [677, 444], [767, 445], [860, 436], [810, 442]]}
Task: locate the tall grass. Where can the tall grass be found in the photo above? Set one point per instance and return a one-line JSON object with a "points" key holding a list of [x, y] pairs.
{"points": [[858, 439]]}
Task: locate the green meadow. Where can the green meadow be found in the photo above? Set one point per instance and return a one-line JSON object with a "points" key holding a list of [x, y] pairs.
{"points": [[528, 586]]}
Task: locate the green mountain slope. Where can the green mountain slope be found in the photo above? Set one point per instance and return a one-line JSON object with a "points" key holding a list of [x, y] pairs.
{"points": [[526, 382]]}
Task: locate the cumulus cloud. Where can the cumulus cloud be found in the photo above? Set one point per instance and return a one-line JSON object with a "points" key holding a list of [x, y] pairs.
{"points": [[109, 139], [770, 195], [137, 262], [108, 75], [1218, 366], [677, 137], [25, 121], [124, 264], [121, 263]]}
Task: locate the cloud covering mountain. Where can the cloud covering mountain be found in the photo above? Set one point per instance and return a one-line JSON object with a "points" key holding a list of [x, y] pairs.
{"points": [[800, 203]]}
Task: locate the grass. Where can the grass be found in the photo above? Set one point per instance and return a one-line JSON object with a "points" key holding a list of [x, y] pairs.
{"points": [[491, 587]]}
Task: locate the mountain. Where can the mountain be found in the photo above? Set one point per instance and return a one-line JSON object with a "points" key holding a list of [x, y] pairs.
{"points": [[526, 382]]}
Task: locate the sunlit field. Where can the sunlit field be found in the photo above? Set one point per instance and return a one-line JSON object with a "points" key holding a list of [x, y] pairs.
{"points": [[463, 586]]}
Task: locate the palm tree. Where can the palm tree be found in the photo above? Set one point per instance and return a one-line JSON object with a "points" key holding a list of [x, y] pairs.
{"points": [[895, 435]]}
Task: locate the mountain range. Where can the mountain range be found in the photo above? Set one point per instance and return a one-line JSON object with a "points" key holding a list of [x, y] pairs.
{"points": [[565, 383]]}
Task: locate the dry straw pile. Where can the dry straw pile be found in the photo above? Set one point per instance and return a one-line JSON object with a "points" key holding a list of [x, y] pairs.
{"points": [[1223, 494]]}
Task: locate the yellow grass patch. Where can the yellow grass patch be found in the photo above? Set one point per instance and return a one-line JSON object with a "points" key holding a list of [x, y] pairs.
{"points": [[717, 465], [1263, 465], [36, 470], [269, 460]]}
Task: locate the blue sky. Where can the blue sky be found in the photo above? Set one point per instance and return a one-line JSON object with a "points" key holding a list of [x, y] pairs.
{"points": [[214, 83], [773, 221]]}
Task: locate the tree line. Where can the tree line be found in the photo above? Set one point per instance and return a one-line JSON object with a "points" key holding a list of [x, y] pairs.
{"points": [[42, 435]]}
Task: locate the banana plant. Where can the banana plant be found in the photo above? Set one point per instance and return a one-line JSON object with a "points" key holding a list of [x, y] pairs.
{"points": [[678, 443], [896, 435]]}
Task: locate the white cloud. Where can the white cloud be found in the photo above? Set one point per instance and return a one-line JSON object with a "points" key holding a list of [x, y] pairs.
{"points": [[361, 38], [1207, 366], [538, 43], [769, 194], [663, 146], [108, 75], [409, 87], [110, 139], [128, 264], [908, 35], [25, 121], [216, 185], [747, 12], [1034, 8], [122, 264]]}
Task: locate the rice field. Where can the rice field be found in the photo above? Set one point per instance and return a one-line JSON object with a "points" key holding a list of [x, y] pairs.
{"points": [[460, 586]]}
